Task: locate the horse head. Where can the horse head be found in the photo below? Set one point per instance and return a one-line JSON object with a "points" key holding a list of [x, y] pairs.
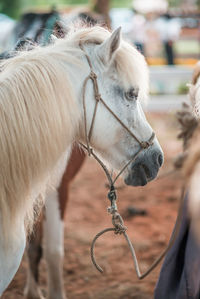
{"points": [[117, 126]]}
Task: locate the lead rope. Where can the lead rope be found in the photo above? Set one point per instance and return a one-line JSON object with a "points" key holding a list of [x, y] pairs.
{"points": [[119, 228], [117, 220]]}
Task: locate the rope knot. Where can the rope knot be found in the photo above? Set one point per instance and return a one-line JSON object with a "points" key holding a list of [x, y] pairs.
{"points": [[118, 223], [145, 144], [98, 97], [120, 229], [93, 76], [112, 195]]}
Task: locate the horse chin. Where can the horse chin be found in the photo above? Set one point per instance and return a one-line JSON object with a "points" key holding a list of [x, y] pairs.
{"points": [[135, 181], [140, 176], [144, 169]]}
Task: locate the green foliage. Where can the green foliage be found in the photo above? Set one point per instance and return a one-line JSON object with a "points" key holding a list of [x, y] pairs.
{"points": [[14, 8], [183, 88], [48, 4], [119, 3], [174, 3], [11, 8]]}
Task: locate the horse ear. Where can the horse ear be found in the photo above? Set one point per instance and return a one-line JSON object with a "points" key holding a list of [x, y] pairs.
{"points": [[108, 48]]}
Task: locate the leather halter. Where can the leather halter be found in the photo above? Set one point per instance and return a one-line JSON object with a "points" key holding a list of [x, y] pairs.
{"points": [[143, 144]]}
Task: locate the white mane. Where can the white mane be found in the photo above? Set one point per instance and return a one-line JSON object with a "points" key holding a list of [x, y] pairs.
{"points": [[38, 118]]}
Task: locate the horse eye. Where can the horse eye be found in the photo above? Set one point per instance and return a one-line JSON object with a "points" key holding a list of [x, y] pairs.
{"points": [[132, 94]]}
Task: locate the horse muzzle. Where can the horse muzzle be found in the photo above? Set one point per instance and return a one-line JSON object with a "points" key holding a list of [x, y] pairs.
{"points": [[145, 168]]}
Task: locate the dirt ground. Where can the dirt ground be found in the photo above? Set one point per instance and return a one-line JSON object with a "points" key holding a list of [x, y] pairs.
{"points": [[86, 215]]}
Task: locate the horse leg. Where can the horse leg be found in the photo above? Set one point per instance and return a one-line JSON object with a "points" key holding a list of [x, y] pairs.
{"points": [[53, 246], [54, 226], [11, 252], [75, 162], [34, 254]]}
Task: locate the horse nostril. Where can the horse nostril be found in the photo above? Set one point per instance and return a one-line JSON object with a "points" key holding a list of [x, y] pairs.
{"points": [[160, 160]]}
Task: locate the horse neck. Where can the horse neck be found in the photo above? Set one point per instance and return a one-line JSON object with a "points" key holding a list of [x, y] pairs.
{"points": [[41, 97], [78, 72], [46, 93]]}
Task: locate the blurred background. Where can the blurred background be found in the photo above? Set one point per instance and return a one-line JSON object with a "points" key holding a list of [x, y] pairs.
{"points": [[166, 32], [168, 35]]}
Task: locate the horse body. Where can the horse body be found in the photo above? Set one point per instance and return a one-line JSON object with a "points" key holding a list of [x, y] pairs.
{"points": [[195, 90], [41, 115], [184, 253], [36, 161], [192, 165]]}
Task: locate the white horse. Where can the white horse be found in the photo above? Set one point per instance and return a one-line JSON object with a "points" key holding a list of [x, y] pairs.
{"points": [[41, 114]]}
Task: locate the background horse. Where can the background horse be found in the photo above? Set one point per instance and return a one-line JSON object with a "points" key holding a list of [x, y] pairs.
{"points": [[39, 26], [192, 165], [180, 274], [41, 107]]}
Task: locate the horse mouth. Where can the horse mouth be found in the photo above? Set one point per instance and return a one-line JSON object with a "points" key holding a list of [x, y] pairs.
{"points": [[144, 169], [140, 175]]}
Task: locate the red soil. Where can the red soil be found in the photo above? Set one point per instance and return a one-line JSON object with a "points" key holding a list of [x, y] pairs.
{"points": [[86, 215]]}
